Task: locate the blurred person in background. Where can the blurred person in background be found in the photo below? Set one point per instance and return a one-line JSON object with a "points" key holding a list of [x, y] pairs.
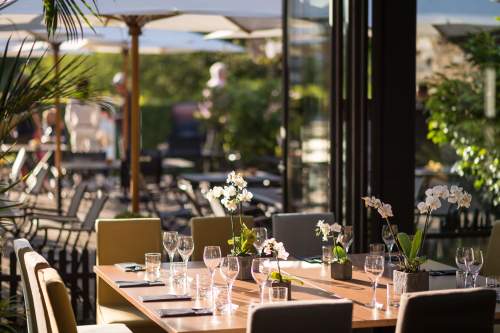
{"points": [[106, 134]]}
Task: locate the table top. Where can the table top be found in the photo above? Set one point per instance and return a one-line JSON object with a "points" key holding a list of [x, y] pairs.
{"points": [[317, 285], [260, 178]]}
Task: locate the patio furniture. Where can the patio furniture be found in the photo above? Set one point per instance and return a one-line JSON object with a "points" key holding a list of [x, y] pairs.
{"points": [[74, 226], [137, 237], [462, 310], [59, 312], [491, 265], [318, 285], [316, 316], [296, 230], [74, 205], [214, 231], [17, 166]]}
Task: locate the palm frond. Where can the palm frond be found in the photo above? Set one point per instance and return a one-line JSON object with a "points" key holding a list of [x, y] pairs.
{"points": [[6, 3], [70, 14]]}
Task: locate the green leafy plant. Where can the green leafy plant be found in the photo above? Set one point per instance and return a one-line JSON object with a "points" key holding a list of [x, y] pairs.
{"points": [[410, 248], [243, 243], [340, 255], [334, 231], [277, 250]]}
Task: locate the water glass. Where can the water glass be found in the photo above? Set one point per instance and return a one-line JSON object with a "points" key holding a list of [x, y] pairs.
{"points": [[388, 237], [261, 268], [491, 282], [393, 296], [153, 265], [327, 254], [185, 246], [374, 267], [220, 297], [278, 294], [377, 249], [170, 240], [260, 237], [461, 279], [473, 262], [179, 272], [229, 269], [201, 286], [346, 237], [212, 258]]}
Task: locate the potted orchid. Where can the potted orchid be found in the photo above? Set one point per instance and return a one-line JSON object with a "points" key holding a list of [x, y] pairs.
{"points": [[341, 267], [276, 249], [409, 277], [232, 196]]}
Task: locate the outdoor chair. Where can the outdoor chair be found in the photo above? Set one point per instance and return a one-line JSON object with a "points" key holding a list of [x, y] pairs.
{"points": [[214, 231], [301, 316], [491, 265], [17, 166], [74, 227], [74, 204], [460, 310], [296, 230], [124, 240]]}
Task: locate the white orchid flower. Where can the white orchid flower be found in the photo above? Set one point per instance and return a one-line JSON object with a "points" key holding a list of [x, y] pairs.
{"points": [[385, 211], [336, 227]]}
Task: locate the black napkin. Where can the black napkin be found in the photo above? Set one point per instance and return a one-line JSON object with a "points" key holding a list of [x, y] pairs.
{"points": [[184, 312], [164, 298], [131, 284], [442, 272], [130, 267]]}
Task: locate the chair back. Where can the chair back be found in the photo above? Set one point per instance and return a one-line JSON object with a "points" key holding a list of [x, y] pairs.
{"points": [[296, 230], [188, 191], [22, 246], [35, 262], [17, 165], [301, 316], [459, 310], [35, 180], [59, 310], [76, 199], [214, 231], [135, 238], [491, 265], [94, 211]]}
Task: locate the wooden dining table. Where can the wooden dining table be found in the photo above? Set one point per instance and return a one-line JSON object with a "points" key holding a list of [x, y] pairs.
{"points": [[317, 285]]}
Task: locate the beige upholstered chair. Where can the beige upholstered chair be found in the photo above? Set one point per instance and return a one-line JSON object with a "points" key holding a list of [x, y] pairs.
{"points": [[214, 231], [491, 265], [460, 310], [21, 247], [301, 316], [124, 240], [59, 312]]}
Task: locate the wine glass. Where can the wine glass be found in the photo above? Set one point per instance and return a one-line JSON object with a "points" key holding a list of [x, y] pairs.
{"points": [[473, 261], [185, 247], [260, 237], [229, 269], [374, 267], [211, 258], [170, 240], [388, 238], [460, 259], [346, 237], [260, 273]]}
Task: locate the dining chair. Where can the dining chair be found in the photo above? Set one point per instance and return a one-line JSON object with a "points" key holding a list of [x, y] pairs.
{"points": [[296, 231], [124, 240], [491, 265], [459, 310], [21, 247], [214, 231], [301, 316], [58, 310]]}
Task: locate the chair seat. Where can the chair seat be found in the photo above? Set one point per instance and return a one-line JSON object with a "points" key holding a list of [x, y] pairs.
{"points": [[128, 315], [105, 328]]}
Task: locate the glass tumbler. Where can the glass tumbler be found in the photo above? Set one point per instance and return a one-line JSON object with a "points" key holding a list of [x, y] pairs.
{"points": [[327, 254], [153, 265]]}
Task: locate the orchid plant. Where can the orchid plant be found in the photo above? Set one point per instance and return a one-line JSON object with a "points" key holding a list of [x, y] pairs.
{"points": [[334, 231], [232, 196], [276, 249], [409, 248]]}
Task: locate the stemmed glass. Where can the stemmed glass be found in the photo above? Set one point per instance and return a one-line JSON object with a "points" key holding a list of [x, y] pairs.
{"points": [[388, 238], [374, 267], [260, 237], [260, 273], [460, 259], [346, 237], [473, 262], [185, 247], [170, 241], [211, 258], [229, 269]]}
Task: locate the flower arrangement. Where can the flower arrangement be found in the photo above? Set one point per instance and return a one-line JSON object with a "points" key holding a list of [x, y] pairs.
{"points": [[334, 231], [409, 248], [276, 249], [232, 196]]}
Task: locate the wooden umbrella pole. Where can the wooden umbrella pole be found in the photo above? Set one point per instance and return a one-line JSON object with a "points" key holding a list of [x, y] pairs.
{"points": [[135, 31], [58, 154], [126, 106]]}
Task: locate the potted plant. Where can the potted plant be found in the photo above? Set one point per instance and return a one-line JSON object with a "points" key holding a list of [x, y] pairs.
{"points": [[341, 266], [277, 250], [232, 196], [409, 277]]}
